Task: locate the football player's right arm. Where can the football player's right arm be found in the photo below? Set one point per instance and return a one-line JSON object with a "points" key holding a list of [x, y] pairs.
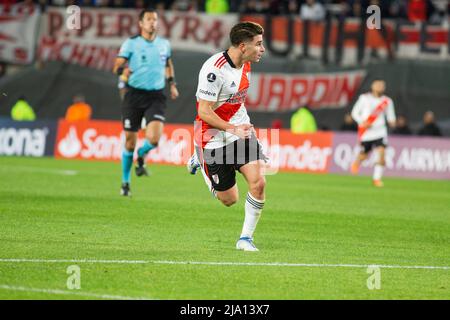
{"points": [[356, 111], [124, 55], [119, 68], [207, 114]]}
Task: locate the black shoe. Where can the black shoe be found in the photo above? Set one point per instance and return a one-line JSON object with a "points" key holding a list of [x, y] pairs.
{"points": [[125, 190], [140, 168]]}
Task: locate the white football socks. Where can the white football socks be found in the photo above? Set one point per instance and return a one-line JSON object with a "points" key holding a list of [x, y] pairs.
{"points": [[378, 172], [208, 182], [253, 208]]}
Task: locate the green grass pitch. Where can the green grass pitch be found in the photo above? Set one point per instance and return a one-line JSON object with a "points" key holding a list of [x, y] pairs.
{"points": [[62, 210]]}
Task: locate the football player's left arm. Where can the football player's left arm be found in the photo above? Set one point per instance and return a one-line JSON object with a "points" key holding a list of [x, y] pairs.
{"points": [[170, 76]]}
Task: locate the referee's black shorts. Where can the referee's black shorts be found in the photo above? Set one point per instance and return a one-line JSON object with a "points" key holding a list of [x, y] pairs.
{"points": [[138, 104]]}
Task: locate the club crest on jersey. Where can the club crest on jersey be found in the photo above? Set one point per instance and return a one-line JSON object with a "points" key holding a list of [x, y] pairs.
{"points": [[211, 77], [215, 177]]}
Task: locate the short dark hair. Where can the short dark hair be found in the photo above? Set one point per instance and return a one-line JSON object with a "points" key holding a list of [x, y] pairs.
{"points": [[144, 11], [244, 31]]}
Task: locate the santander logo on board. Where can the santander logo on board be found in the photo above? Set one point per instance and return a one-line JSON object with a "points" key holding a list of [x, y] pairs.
{"points": [[88, 143], [70, 145]]}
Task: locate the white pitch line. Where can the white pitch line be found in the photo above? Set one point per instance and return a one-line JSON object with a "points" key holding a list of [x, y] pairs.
{"points": [[77, 261], [313, 265], [212, 263], [43, 170], [71, 292]]}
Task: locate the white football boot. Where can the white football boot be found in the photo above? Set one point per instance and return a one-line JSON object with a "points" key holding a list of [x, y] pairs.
{"points": [[246, 244], [193, 165]]}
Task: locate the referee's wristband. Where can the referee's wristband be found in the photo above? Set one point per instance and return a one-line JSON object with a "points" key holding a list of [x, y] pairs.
{"points": [[171, 80], [120, 71]]}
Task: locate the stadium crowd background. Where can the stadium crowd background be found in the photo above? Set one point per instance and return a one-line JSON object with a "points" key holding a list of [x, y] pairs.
{"points": [[414, 10]]}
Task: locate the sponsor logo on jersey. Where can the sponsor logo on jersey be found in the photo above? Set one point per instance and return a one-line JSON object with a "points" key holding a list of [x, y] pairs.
{"points": [[238, 97], [208, 93]]}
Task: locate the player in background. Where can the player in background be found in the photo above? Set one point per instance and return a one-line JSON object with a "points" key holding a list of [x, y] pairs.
{"points": [[122, 86], [145, 63], [370, 113], [225, 141]]}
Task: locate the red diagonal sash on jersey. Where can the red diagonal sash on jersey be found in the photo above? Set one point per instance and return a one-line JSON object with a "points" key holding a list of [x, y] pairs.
{"points": [[373, 116]]}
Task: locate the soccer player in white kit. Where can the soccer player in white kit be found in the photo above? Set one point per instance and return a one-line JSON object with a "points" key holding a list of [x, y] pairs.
{"points": [[370, 112], [225, 140]]}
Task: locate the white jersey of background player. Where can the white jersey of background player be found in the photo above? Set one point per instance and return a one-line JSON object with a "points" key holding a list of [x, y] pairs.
{"points": [[222, 125], [372, 125]]}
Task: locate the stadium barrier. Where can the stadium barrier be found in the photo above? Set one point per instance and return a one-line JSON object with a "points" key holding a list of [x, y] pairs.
{"points": [[406, 156], [322, 152]]}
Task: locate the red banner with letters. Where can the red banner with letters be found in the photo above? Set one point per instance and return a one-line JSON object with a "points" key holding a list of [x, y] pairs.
{"points": [[278, 92], [346, 41], [104, 140], [102, 31], [18, 33]]}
